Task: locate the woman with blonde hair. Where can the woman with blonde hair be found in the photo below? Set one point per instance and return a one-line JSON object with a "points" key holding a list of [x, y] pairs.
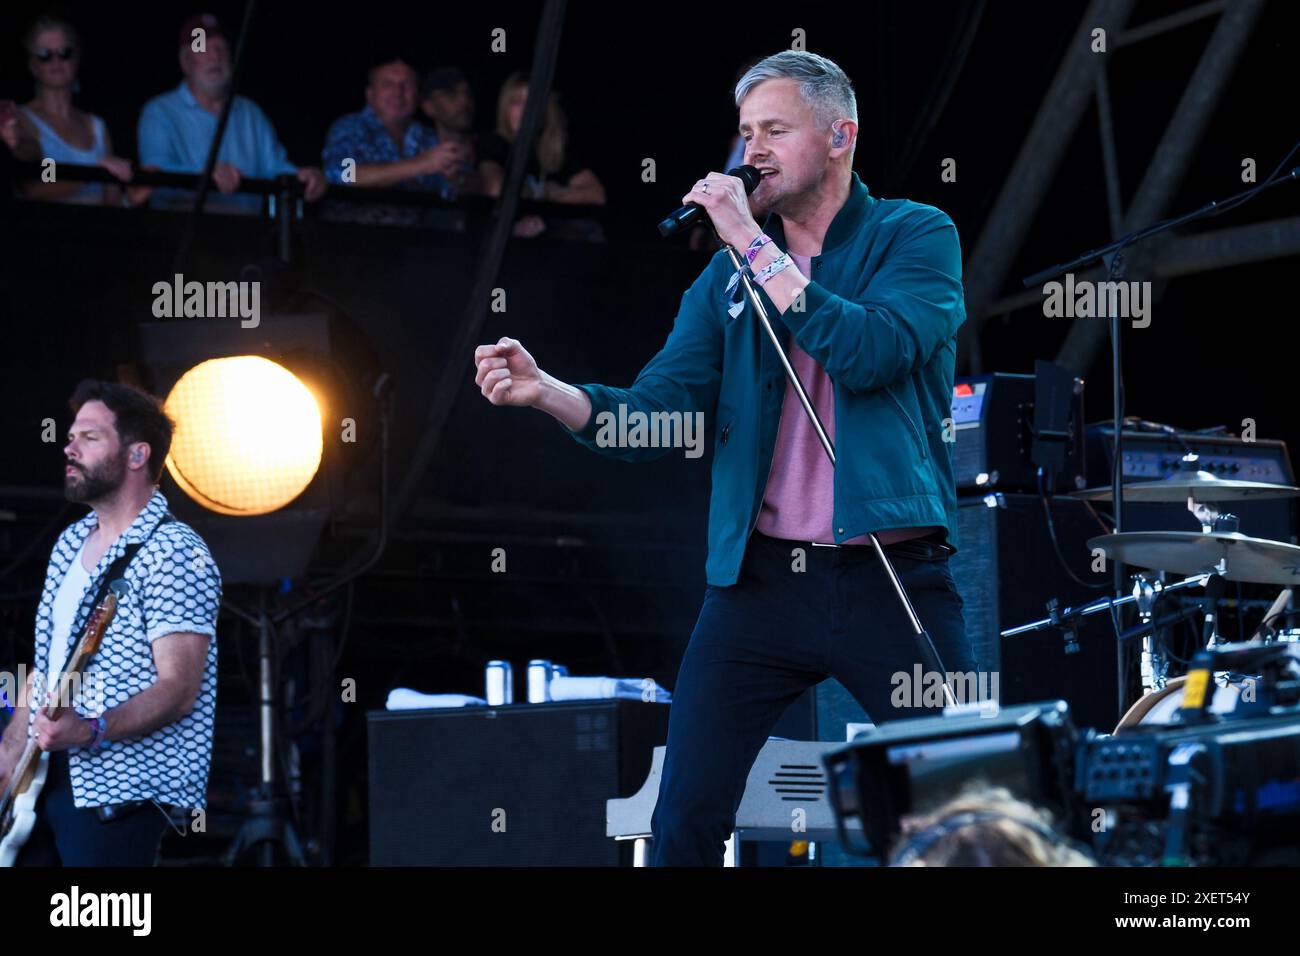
{"points": [[985, 826], [51, 127], [552, 174]]}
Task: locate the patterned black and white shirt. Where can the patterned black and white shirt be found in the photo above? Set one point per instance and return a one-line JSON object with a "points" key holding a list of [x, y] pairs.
{"points": [[174, 586]]}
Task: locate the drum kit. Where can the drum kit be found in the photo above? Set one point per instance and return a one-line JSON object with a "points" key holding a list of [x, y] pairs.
{"points": [[1218, 551]]}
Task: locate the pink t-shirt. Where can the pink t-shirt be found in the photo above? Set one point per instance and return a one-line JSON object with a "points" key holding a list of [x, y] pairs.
{"points": [[799, 503]]}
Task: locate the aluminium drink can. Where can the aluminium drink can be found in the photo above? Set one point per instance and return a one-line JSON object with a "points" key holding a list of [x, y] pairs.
{"points": [[539, 681], [500, 683]]}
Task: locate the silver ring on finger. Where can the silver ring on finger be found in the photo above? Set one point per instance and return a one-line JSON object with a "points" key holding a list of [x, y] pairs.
{"points": [[705, 188]]}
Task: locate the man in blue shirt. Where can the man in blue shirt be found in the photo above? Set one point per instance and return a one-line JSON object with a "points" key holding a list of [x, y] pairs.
{"points": [[384, 146], [176, 128]]}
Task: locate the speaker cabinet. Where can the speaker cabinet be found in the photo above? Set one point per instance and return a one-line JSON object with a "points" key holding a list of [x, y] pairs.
{"points": [[1006, 571], [520, 785]]}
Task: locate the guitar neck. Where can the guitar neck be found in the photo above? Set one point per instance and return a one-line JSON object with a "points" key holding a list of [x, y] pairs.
{"points": [[57, 700]]}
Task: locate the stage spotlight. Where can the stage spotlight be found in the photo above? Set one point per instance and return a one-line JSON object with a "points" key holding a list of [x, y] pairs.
{"points": [[248, 435], [261, 460]]}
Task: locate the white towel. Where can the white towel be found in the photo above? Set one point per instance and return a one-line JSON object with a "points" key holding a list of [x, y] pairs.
{"points": [[597, 688], [403, 698]]}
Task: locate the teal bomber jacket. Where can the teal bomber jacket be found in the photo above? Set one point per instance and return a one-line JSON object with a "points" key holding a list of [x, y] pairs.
{"points": [[881, 314]]}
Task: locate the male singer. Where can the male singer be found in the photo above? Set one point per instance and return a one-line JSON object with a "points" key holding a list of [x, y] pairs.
{"points": [[869, 298]]}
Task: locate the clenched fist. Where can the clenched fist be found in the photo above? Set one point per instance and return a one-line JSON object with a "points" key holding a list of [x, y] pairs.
{"points": [[507, 374]]}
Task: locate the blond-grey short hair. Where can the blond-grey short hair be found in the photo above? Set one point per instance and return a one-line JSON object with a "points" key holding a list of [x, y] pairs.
{"points": [[824, 86]]}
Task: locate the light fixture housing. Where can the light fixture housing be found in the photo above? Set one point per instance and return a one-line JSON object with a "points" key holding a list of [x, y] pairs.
{"points": [[248, 435]]}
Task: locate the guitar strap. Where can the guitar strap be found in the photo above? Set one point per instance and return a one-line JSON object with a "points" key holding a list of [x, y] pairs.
{"points": [[115, 571]]}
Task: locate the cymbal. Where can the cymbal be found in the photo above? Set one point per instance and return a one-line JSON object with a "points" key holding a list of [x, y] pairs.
{"points": [[1200, 485], [1257, 560]]}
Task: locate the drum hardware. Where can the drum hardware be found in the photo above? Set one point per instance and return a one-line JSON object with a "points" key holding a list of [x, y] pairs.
{"points": [[1070, 615], [1069, 627], [1218, 553], [1235, 556], [1231, 556], [1153, 666], [1200, 489], [1148, 588], [1155, 662], [1192, 485]]}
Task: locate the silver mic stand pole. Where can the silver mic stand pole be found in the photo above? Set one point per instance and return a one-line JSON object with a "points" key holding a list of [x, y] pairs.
{"points": [[923, 642]]}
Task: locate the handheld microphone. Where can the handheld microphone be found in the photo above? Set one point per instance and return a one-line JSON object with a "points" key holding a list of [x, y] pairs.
{"points": [[687, 216]]}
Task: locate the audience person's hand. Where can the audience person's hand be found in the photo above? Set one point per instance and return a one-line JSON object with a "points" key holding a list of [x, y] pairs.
{"points": [[139, 195], [9, 124], [529, 226], [119, 167], [226, 177], [313, 181], [444, 159]]}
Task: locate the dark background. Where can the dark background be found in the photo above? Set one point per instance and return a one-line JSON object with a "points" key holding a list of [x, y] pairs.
{"points": [[637, 81], [656, 82]]}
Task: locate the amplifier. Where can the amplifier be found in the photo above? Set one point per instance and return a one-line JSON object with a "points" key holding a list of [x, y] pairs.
{"points": [[1006, 570], [519, 785], [1003, 422], [1150, 456]]}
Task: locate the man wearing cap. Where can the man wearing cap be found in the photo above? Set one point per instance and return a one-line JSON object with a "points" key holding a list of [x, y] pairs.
{"points": [[176, 128], [447, 100]]}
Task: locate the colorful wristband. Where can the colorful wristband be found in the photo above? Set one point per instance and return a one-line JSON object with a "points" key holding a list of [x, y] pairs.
{"points": [[759, 242], [99, 727], [778, 264]]}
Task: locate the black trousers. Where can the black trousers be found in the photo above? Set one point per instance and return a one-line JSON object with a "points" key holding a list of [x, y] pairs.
{"points": [[762, 642], [64, 835]]}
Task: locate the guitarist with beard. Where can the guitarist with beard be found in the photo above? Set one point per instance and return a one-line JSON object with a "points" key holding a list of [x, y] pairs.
{"points": [[117, 762]]}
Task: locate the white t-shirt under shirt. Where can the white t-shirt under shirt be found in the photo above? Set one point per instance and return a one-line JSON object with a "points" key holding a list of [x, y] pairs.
{"points": [[66, 604]]}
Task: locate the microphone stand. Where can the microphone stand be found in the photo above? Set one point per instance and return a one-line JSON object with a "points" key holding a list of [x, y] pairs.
{"points": [[923, 642]]}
